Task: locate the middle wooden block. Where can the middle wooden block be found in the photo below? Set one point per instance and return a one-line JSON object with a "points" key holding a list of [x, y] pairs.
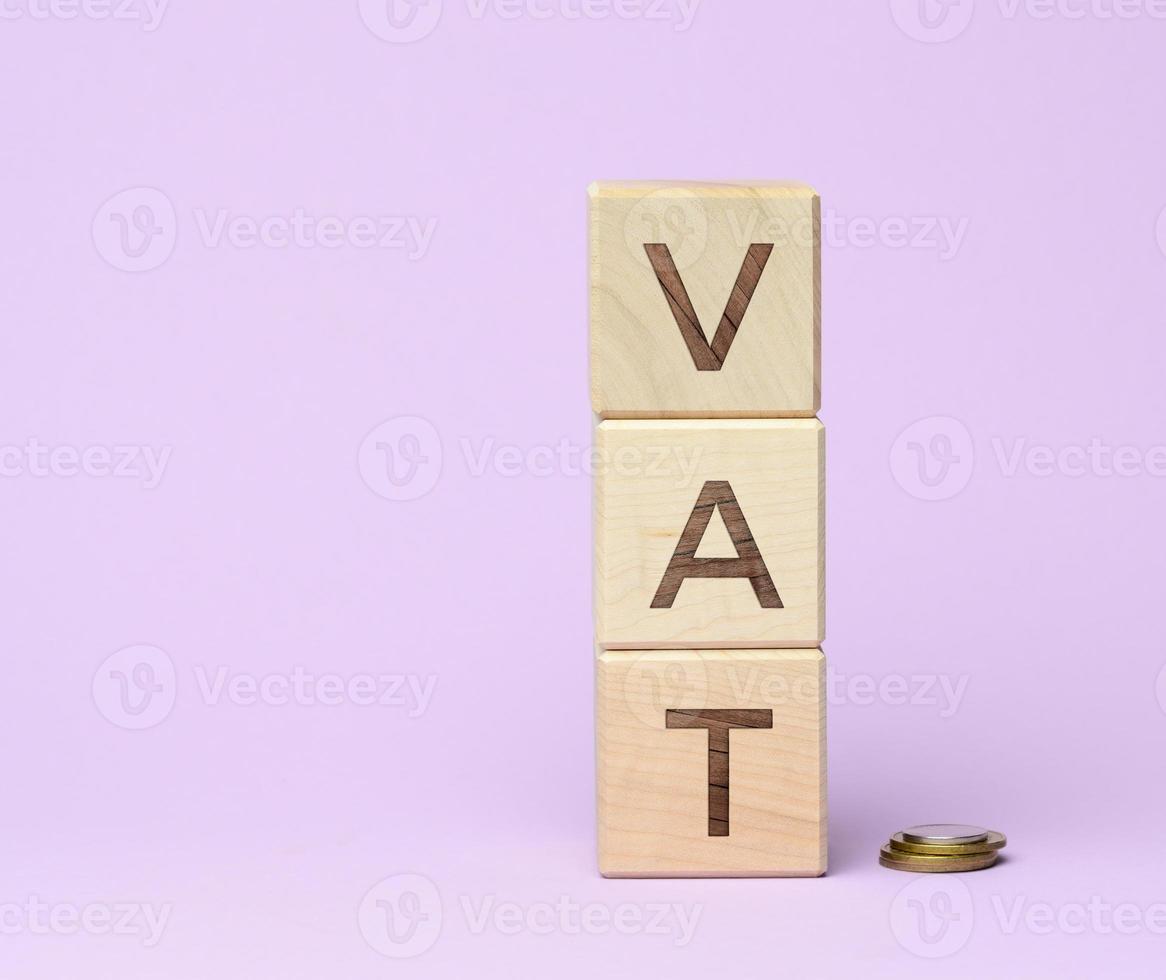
{"points": [[710, 534]]}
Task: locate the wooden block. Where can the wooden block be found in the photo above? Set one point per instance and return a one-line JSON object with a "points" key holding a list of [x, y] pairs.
{"points": [[705, 300], [709, 534], [712, 763]]}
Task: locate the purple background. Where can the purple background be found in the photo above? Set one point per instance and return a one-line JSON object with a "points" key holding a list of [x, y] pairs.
{"points": [[261, 549]]}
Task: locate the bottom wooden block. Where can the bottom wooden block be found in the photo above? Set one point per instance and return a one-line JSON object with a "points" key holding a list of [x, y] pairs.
{"points": [[711, 763]]}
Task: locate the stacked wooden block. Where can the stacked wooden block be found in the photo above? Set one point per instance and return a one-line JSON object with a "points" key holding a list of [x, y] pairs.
{"points": [[709, 524]]}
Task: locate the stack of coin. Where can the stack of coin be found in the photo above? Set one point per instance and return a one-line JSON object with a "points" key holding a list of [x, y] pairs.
{"points": [[942, 847]]}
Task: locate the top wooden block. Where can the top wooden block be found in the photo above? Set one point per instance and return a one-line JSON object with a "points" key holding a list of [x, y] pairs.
{"points": [[705, 300]]}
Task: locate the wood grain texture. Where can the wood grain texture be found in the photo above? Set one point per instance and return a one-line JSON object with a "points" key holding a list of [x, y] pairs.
{"points": [[663, 577], [658, 785], [705, 300]]}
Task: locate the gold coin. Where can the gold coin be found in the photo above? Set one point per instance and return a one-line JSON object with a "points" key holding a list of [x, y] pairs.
{"points": [[993, 841], [901, 861]]}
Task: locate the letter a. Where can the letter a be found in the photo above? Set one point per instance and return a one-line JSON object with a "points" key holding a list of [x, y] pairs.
{"points": [[748, 563]]}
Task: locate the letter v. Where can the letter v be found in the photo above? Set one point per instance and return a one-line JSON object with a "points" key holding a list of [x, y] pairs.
{"points": [[708, 358]]}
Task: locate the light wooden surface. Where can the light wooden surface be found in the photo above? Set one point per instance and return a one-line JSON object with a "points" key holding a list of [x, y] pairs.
{"points": [[652, 476], [654, 780], [744, 260]]}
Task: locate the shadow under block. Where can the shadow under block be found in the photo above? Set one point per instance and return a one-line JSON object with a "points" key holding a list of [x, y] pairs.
{"points": [[673, 802], [710, 534], [705, 300]]}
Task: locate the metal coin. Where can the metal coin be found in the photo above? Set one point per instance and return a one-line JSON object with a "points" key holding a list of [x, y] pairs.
{"points": [[945, 833], [898, 861], [992, 842]]}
